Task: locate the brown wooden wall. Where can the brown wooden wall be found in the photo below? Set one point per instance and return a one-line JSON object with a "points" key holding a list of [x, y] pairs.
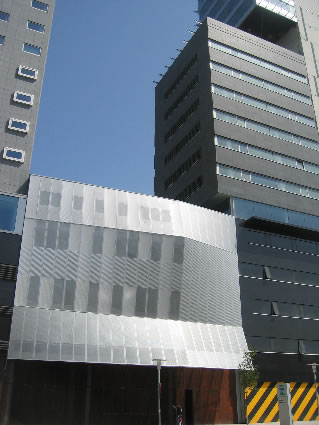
{"points": [[214, 394]]}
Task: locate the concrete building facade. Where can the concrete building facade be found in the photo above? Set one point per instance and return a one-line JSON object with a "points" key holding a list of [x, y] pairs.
{"points": [[25, 27]]}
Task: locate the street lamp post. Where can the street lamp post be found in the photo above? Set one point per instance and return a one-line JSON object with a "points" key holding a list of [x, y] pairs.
{"points": [[159, 364], [314, 371]]}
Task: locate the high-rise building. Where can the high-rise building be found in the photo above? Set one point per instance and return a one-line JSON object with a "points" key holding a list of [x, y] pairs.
{"points": [[236, 132], [24, 37]]}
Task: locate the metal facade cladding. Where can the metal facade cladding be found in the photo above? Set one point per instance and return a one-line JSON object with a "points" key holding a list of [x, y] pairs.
{"points": [[115, 277]]}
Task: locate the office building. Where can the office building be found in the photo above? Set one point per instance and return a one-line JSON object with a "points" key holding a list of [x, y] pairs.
{"points": [[236, 132], [24, 36], [110, 280]]}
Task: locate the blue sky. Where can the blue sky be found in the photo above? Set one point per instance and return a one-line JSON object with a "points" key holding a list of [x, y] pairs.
{"points": [[96, 118]]}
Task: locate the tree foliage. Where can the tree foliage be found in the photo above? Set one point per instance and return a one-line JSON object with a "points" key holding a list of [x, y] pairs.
{"points": [[249, 376]]}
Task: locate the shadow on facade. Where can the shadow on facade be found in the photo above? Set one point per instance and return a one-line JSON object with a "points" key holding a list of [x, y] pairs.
{"points": [[45, 393]]}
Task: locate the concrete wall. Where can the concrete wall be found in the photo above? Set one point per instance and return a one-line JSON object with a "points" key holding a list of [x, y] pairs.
{"points": [[14, 175]]}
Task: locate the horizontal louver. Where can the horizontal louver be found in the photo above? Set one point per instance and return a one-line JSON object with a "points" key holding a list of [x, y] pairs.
{"points": [[8, 272]]}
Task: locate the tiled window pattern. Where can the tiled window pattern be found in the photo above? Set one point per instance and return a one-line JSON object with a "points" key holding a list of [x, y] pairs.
{"points": [[260, 82], [30, 48], [4, 16], [265, 129], [183, 169], [245, 209], [182, 143], [265, 106], [182, 97], [190, 189], [44, 7], [181, 76], [181, 121], [2, 38], [247, 176], [34, 26], [266, 154], [258, 61]]}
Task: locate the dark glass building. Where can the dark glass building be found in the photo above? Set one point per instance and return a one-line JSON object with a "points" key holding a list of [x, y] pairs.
{"points": [[236, 132]]}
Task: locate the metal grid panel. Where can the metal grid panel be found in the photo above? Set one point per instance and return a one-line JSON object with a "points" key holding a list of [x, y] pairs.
{"points": [[72, 336], [123, 210]]}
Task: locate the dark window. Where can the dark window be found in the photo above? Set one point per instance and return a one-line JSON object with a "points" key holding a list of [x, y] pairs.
{"points": [[56, 199], [121, 243], [93, 297], [44, 198], [40, 5], [52, 233], [39, 233], [58, 289], [117, 298], [34, 26], [178, 250], [152, 302], [97, 247], [69, 296], [4, 16], [64, 233], [253, 270], [156, 247], [174, 305], [132, 248], [34, 289], [140, 302], [8, 212]]}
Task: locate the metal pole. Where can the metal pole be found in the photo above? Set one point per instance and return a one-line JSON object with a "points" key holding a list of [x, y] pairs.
{"points": [[159, 364], [159, 391], [314, 371]]}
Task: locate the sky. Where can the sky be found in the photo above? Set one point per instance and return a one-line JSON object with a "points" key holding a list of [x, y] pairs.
{"points": [[96, 117]]}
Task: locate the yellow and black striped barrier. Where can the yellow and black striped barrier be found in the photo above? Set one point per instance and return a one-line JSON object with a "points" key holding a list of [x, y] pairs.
{"points": [[262, 404]]}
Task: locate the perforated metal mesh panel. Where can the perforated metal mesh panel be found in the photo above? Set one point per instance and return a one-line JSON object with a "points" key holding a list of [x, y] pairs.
{"points": [[116, 277]]}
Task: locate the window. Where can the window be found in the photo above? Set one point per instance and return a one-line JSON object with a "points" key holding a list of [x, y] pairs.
{"points": [[34, 26], [8, 212], [4, 16], [257, 61], [26, 72], [265, 129], [2, 37], [248, 100], [30, 48], [39, 5], [23, 98], [13, 154], [18, 125]]}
